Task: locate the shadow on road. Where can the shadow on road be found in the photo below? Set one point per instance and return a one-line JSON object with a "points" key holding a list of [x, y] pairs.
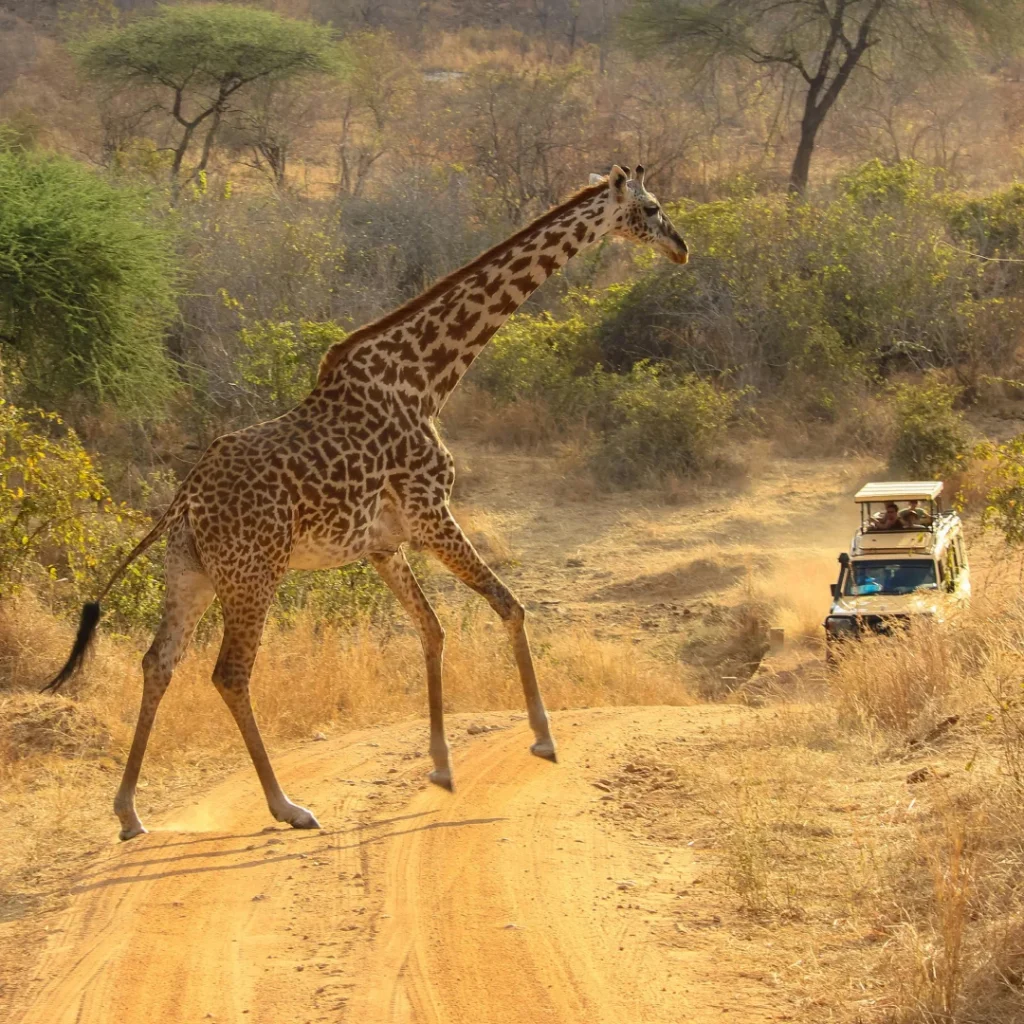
{"points": [[103, 883]]}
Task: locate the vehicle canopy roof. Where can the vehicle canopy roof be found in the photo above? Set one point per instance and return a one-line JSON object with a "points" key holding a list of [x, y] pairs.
{"points": [[900, 490]]}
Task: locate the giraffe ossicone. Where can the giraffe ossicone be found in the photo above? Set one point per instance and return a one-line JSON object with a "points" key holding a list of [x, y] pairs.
{"points": [[357, 471]]}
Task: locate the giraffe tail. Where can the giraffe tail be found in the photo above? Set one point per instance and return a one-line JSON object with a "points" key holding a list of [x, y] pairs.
{"points": [[83, 641], [91, 612]]}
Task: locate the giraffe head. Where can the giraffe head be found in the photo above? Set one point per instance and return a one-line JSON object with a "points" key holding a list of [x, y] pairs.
{"points": [[636, 214]]}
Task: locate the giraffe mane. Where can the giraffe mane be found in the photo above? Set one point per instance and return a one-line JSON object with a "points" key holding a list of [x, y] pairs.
{"points": [[332, 357]]}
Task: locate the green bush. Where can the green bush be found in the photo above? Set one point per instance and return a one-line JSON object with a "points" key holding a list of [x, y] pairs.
{"points": [[875, 267], [990, 225], [876, 184], [662, 425], [48, 486], [540, 358], [59, 528], [530, 357], [87, 284], [827, 376], [930, 439], [1004, 502], [279, 360], [333, 595]]}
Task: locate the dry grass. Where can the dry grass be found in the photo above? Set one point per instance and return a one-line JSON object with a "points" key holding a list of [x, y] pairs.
{"points": [[525, 425], [487, 533], [873, 843], [904, 688]]}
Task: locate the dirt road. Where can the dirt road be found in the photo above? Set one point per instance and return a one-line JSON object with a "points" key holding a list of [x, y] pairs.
{"points": [[518, 898]]}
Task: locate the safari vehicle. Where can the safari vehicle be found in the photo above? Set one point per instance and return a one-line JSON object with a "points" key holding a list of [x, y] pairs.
{"points": [[902, 562]]}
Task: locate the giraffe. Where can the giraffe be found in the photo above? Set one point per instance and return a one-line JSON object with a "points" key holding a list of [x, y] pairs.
{"points": [[357, 470]]}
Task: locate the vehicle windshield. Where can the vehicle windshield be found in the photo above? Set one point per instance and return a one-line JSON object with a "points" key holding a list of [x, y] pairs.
{"points": [[889, 576]]}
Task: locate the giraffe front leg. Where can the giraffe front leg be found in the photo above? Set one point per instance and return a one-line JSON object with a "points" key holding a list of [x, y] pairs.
{"points": [[452, 548], [395, 571]]}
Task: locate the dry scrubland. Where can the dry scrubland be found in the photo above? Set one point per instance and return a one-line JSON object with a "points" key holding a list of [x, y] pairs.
{"points": [[658, 460], [862, 829]]}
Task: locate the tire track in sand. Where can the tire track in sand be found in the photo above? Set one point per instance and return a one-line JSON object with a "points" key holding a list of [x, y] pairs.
{"points": [[498, 904]]}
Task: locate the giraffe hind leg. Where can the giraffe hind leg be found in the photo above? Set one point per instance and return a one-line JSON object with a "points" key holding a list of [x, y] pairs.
{"points": [[189, 593]]}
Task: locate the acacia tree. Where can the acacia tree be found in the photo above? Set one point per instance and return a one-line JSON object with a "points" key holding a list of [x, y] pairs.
{"points": [[269, 125], [195, 60], [819, 43]]}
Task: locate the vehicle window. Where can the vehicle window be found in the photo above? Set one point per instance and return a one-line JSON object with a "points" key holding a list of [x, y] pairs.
{"points": [[889, 576]]}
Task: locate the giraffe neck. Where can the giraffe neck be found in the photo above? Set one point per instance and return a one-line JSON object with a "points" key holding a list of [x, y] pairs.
{"points": [[425, 347]]}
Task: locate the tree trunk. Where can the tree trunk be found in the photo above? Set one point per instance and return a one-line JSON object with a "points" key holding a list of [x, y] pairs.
{"points": [[804, 151], [180, 151], [211, 134]]}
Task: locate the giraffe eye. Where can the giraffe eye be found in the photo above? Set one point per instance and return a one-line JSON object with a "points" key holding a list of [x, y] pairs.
{"points": [[650, 210]]}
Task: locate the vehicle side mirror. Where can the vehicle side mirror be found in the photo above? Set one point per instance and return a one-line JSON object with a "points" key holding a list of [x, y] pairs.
{"points": [[834, 587]]}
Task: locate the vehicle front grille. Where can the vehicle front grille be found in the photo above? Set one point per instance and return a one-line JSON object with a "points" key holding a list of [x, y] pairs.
{"points": [[886, 625]]}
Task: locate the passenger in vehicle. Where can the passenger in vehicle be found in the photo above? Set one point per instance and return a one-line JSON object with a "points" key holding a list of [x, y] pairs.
{"points": [[914, 516], [889, 519]]}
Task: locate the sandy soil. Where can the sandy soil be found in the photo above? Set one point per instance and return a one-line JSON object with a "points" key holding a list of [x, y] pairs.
{"points": [[645, 568], [518, 898]]}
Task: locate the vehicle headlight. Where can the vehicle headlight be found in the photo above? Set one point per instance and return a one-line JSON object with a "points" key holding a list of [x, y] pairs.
{"points": [[840, 625]]}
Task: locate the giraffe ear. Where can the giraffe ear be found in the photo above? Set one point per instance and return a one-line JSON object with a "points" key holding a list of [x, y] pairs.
{"points": [[617, 178], [596, 179]]}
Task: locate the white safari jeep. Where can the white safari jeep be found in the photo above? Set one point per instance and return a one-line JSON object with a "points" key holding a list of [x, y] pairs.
{"points": [[906, 559]]}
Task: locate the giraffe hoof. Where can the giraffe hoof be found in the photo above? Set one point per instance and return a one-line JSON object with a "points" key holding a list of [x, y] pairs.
{"points": [[130, 833], [304, 819], [545, 749], [296, 816], [442, 777]]}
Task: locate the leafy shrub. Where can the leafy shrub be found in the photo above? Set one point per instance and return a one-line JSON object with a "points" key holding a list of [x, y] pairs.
{"points": [[333, 595], [279, 360], [929, 434], [530, 357], [662, 425], [58, 523], [45, 481], [537, 357], [877, 184], [537, 360], [991, 225], [87, 284], [875, 267], [1004, 502], [827, 376], [136, 601]]}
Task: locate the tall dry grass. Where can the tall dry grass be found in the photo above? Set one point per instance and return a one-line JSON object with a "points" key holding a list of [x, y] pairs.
{"points": [[948, 700], [887, 821]]}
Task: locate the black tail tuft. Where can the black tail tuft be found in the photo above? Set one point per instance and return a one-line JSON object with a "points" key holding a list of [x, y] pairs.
{"points": [[83, 641]]}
